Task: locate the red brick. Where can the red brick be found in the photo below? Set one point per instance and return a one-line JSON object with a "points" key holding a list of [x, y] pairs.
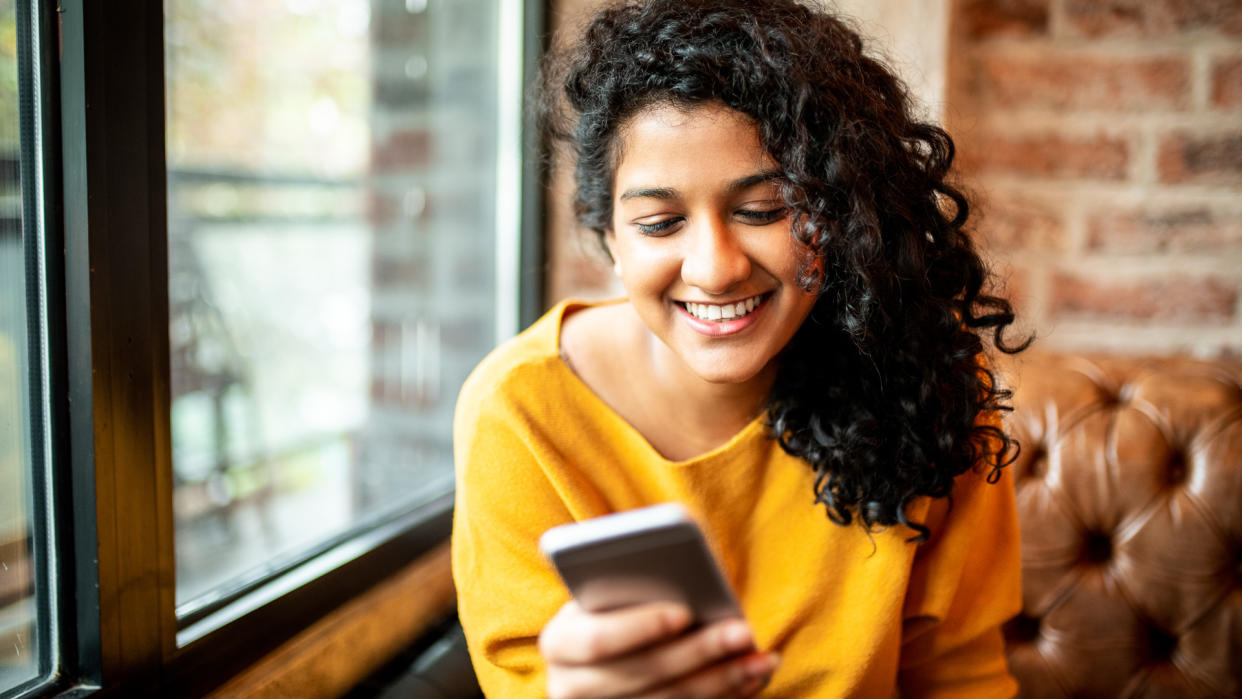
{"points": [[1152, 17], [1196, 158], [381, 390], [396, 27], [391, 272], [588, 276], [1227, 84], [1184, 230], [404, 150], [1018, 225], [1073, 83], [384, 335], [1047, 156], [382, 209], [1176, 298], [989, 18]]}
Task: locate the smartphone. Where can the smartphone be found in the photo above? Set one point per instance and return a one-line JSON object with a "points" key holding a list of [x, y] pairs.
{"points": [[655, 553]]}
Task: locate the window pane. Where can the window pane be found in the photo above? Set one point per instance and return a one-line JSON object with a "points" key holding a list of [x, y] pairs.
{"points": [[331, 182], [19, 651]]}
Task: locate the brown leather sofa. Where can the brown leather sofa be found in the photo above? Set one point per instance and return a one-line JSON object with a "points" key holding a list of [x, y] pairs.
{"points": [[1130, 501]]}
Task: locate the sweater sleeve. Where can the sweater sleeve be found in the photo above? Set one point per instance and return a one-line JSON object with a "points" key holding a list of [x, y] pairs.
{"points": [[965, 583], [504, 502]]}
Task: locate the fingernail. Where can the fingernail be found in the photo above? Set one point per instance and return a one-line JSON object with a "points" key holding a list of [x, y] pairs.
{"points": [[752, 685], [737, 636], [677, 618], [762, 665]]}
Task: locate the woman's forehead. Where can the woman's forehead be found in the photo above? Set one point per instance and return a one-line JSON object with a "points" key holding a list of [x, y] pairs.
{"points": [[705, 143]]}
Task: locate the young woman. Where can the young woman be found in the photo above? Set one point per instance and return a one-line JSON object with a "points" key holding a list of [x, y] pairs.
{"points": [[798, 361]]}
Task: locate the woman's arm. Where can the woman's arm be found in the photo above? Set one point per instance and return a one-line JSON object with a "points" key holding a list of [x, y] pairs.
{"points": [[506, 593], [965, 583]]}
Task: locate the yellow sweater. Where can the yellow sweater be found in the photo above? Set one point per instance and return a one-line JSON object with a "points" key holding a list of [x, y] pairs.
{"points": [[851, 615]]}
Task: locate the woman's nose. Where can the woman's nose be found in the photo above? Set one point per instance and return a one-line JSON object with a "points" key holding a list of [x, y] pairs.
{"points": [[714, 260]]}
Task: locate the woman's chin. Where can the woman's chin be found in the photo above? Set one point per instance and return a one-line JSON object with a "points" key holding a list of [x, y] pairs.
{"points": [[724, 371]]}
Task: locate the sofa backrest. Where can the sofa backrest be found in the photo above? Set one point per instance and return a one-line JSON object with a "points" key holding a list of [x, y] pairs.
{"points": [[1129, 486]]}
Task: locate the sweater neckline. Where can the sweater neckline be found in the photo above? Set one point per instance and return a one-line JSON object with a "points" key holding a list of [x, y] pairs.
{"points": [[752, 429]]}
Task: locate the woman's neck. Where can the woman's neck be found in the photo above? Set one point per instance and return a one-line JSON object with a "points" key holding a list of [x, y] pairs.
{"points": [[642, 380], [728, 405]]}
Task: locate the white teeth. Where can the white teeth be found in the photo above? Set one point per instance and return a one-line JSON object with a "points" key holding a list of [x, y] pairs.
{"points": [[707, 311]]}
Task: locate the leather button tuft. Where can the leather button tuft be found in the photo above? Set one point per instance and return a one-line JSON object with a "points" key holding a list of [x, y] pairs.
{"points": [[1175, 472], [1097, 548], [1160, 645], [1118, 398], [1038, 463], [1022, 629], [1125, 393]]}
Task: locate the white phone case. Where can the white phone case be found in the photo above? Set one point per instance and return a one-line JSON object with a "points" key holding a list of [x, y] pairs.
{"points": [[655, 553]]}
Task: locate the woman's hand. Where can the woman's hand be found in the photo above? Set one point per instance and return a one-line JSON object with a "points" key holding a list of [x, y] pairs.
{"points": [[642, 651]]}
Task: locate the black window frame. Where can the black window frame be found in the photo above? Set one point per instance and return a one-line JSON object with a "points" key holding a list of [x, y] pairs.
{"points": [[102, 68]]}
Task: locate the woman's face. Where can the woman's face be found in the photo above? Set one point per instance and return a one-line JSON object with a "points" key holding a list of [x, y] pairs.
{"points": [[702, 241]]}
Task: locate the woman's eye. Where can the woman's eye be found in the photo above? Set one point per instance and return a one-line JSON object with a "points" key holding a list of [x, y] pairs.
{"points": [[657, 228], [763, 217]]}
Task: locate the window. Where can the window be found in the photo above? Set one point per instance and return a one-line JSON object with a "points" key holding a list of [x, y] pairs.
{"points": [[332, 188], [27, 601], [289, 228]]}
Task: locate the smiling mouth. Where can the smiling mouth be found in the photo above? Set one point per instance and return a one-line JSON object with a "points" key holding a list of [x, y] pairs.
{"points": [[720, 313]]}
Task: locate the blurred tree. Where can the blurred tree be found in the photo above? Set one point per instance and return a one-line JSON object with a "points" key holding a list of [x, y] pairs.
{"points": [[268, 85]]}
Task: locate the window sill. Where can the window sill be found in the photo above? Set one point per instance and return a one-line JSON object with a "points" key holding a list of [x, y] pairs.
{"points": [[344, 647]]}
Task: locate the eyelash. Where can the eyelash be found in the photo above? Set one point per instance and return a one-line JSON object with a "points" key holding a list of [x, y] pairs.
{"points": [[655, 229], [753, 218], [763, 217]]}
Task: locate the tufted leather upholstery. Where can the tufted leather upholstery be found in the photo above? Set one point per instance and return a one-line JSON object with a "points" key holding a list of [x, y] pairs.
{"points": [[1129, 490]]}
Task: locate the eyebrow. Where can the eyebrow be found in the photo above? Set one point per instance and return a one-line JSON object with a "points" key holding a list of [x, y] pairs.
{"points": [[669, 193]]}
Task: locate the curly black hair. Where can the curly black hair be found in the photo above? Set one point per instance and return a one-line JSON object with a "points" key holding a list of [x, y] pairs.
{"points": [[882, 391]]}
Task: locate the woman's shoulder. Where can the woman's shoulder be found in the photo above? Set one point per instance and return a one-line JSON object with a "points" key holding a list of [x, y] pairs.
{"points": [[591, 335], [521, 360], [530, 365]]}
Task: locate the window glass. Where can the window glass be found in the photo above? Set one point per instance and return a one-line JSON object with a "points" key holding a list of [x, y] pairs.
{"points": [[331, 201], [19, 651]]}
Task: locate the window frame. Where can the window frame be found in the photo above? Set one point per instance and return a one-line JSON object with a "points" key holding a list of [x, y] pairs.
{"points": [[111, 489], [59, 598]]}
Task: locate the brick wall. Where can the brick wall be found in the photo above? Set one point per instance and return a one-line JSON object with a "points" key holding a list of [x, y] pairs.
{"points": [[1104, 139], [431, 209]]}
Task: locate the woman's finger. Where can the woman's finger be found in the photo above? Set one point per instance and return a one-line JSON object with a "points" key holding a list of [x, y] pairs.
{"points": [[658, 665], [577, 637], [741, 678]]}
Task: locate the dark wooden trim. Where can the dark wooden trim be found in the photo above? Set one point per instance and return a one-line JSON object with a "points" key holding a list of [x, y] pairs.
{"points": [[532, 261], [268, 622], [338, 651], [115, 226], [78, 416]]}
